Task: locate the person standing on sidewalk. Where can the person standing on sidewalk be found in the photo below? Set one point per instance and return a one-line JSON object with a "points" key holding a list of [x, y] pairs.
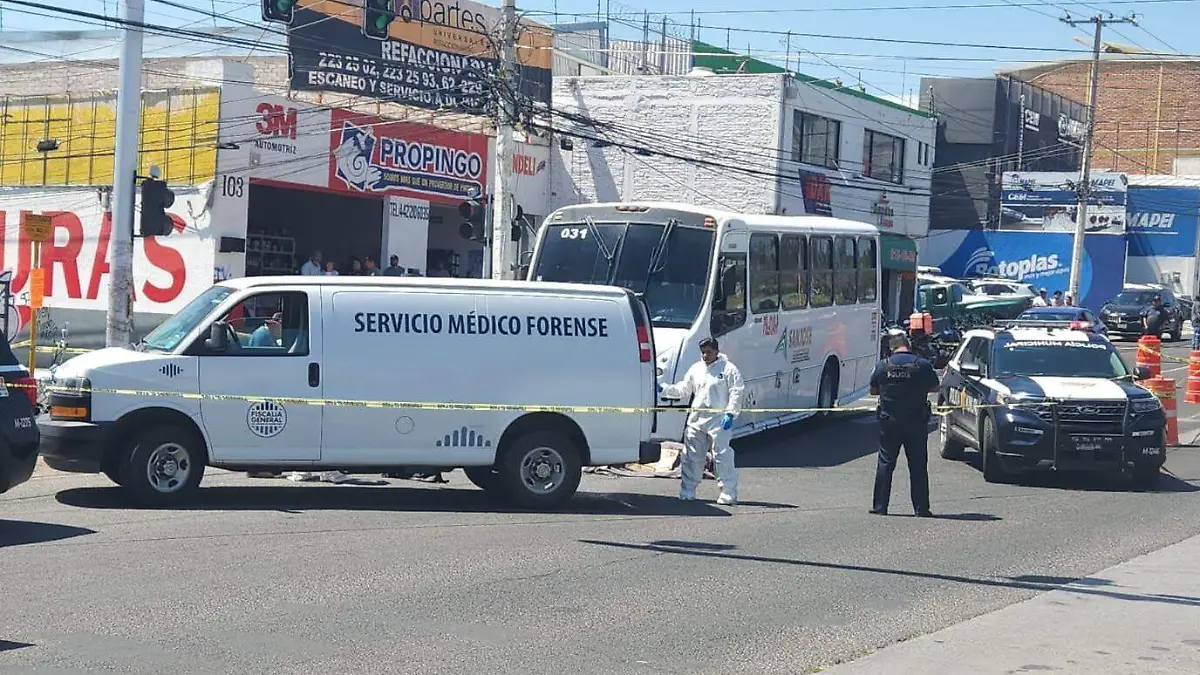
{"points": [[716, 388], [903, 382]]}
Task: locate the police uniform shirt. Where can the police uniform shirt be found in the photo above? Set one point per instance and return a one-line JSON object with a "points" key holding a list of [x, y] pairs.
{"points": [[904, 381]]}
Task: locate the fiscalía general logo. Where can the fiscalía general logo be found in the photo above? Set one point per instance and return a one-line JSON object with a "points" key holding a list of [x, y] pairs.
{"points": [[982, 262]]}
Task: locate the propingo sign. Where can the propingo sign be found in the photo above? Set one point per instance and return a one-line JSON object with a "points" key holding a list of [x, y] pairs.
{"points": [[401, 158]]}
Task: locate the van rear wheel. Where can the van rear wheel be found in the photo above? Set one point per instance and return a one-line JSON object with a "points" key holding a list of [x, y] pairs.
{"points": [[541, 469], [163, 466]]}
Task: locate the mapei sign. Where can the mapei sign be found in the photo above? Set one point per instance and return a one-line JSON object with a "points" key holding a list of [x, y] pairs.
{"points": [[369, 155]]}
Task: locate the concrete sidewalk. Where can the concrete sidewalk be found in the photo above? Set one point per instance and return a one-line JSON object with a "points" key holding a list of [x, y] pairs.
{"points": [[1141, 617]]}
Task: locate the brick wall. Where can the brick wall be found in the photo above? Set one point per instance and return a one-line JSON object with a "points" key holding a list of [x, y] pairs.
{"points": [[1148, 112], [270, 74]]}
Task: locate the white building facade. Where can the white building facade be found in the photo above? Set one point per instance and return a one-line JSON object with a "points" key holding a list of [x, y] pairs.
{"points": [[773, 144]]}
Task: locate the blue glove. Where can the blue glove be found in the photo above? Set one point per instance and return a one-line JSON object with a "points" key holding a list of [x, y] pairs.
{"points": [[727, 423]]}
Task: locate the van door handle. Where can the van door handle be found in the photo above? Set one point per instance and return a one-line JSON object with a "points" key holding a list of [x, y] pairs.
{"points": [[314, 374]]}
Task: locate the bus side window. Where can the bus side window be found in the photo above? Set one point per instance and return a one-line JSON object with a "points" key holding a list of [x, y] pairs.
{"points": [[845, 281], [793, 275], [764, 273], [867, 270], [820, 251], [729, 297]]}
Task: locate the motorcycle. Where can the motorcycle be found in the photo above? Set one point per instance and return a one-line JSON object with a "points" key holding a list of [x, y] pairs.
{"points": [[937, 348]]}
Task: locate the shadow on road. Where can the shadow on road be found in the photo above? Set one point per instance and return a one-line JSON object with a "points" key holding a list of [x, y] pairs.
{"points": [[1088, 482], [1093, 587], [298, 498], [22, 532], [810, 443], [968, 517]]}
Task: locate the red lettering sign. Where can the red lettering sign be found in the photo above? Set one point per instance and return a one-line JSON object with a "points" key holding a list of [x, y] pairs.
{"points": [[276, 120], [525, 165], [77, 258]]}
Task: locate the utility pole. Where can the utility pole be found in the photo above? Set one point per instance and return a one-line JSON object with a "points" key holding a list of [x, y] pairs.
{"points": [[129, 112], [506, 99], [1084, 189]]}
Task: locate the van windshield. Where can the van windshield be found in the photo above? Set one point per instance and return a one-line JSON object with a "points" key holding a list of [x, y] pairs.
{"points": [[171, 332], [623, 254]]}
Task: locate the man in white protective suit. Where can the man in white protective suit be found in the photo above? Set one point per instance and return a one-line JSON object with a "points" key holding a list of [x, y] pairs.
{"points": [[717, 388]]}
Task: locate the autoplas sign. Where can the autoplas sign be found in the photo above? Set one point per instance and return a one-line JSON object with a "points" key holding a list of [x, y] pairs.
{"points": [[369, 155], [1042, 259], [1163, 220]]}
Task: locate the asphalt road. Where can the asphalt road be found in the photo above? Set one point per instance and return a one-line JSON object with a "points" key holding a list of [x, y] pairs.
{"points": [[273, 577]]}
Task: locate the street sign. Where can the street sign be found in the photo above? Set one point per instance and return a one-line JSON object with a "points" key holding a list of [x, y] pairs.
{"points": [[37, 287], [38, 228]]}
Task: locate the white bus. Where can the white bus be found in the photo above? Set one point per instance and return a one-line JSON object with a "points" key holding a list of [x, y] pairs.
{"points": [[793, 300]]}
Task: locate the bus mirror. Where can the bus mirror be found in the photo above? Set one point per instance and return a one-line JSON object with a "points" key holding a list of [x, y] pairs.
{"points": [[735, 242]]}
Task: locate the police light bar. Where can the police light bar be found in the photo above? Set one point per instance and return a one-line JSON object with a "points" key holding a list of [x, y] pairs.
{"points": [[1048, 324]]}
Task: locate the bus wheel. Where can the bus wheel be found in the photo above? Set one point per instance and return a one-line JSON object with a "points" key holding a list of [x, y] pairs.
{"points": [[827, 391]]}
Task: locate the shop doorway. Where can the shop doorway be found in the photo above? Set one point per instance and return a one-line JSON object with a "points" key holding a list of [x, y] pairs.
{"points": [[285, 225]]}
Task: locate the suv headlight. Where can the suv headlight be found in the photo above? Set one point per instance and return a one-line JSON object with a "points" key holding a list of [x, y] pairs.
{"points": [[1018, 399], [1145, 405]]}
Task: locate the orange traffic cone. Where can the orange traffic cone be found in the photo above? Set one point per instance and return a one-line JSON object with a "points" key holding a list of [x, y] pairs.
{"points": [[1149, 354], [1193, 381], [1164, 389]]}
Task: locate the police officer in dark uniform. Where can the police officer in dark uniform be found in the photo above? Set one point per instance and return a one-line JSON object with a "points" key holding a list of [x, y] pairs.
{"points": [[903, 382]]}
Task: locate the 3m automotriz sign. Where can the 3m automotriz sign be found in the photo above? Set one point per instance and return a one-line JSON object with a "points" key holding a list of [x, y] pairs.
{"points": [[371, 156]]}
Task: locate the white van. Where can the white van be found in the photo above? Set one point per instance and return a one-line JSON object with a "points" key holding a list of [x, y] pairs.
{"points": [[520, 384]]}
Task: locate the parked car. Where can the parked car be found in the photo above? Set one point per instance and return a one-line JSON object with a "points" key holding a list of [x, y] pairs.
{"points": [[1002, 288], [1123, 314], [1080, 318], [19, 437]]}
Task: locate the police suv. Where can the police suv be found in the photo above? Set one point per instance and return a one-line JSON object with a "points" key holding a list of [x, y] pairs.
{"points": [[1049, 395]]}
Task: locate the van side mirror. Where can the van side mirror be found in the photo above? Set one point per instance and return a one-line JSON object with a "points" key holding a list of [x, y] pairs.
{"points": [[1143, 373], [218, 337], [971, 370]]}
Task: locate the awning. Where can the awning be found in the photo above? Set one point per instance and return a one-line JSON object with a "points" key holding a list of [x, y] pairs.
{"points": [[897, 253]]}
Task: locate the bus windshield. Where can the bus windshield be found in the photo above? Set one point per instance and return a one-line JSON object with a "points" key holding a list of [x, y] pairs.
{"points": [[624, 254]]}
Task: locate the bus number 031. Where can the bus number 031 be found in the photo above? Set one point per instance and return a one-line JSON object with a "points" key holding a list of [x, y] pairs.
{"points": [[574, 233]]}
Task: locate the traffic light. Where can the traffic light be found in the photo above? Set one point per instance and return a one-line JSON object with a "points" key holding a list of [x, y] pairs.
{"points": [[278, 11], [156, 199], [377, 16], [474, 216], [517, 224]]}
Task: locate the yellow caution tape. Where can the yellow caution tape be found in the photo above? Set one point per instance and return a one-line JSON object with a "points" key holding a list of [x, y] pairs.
{"points": [[493, 407]]}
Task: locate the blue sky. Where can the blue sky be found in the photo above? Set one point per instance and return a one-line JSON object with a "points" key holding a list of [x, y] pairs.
{"points": [[887, 69]]}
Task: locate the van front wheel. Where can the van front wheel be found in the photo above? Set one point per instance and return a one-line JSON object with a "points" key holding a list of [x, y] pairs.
{"points": [[163, 466], [540, 470]]}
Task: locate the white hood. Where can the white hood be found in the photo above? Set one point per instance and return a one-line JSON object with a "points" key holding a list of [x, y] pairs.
{"points": [[80, 365], [1080, 388]]}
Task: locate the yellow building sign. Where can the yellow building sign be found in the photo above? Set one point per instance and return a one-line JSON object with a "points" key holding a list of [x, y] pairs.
{"points": [[178, 134]]}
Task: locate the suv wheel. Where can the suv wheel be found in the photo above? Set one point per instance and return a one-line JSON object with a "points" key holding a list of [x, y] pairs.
{"points": [[1146, 477], [992, 471], [951, 448]]}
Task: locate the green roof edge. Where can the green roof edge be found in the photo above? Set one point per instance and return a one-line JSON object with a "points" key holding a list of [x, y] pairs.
{"points": [[755, 67]]}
